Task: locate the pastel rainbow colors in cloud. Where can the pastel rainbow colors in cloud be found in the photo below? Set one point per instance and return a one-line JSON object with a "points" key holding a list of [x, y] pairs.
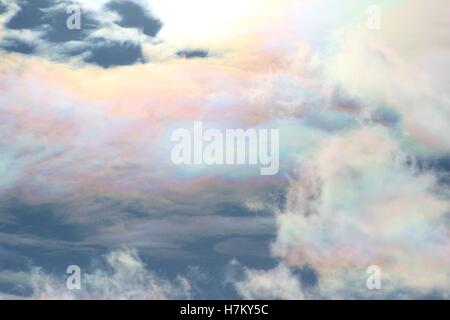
{"points": [[364, 120]]}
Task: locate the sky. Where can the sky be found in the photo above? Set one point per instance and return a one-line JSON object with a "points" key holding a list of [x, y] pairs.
{"points": [[358, 89]]}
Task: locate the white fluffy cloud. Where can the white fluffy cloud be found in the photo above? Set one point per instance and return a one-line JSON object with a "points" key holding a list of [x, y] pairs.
{"points": [[123, 276], [277, 283], [359, 201], [403, 66], [360, 198]]}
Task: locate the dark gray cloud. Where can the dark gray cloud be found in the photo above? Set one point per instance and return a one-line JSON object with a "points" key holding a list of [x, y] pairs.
{"points": [[40, 220], [2, 8], [134, 16], [108, 54], [189, 54], [48, 19], [44, 16], [57, 31], [308, 276], [439, 166], [245, 246], [176, 232], [17, 45], [30, 15]]}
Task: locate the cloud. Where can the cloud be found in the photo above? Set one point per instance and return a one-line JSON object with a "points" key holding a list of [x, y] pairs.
{"points": [[189, 54], [363, 117], [364, 194], [134, 16], [100, 137], [114, 54], [172, 234], [358, 201], [122, 275], [272, 284], [377, 67], [111, 34]]}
